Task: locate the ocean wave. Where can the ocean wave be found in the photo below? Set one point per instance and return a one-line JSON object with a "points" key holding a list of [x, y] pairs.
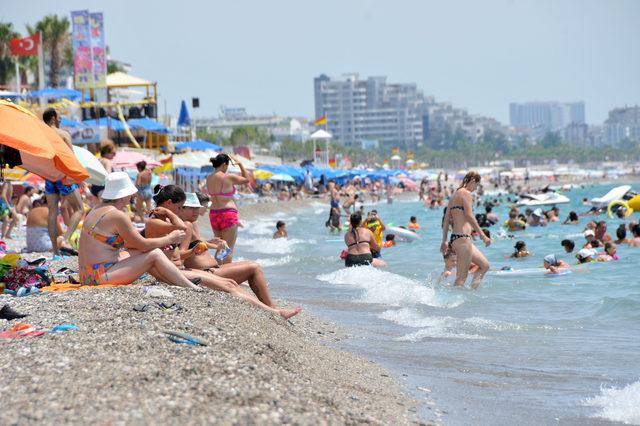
{"points": [[277, 261], [269, 245], [625, 307], [618, 404], [447, 326], [437, 333], [382, 287]]}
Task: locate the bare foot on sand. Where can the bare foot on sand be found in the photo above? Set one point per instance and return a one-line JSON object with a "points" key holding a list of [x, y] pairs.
{"points": [[288, 313]]}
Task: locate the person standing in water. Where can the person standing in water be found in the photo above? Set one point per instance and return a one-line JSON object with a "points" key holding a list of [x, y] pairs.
{"points": [[460, 216], [221, 187]]}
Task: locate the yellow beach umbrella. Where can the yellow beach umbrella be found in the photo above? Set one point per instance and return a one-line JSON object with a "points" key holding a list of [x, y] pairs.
{"points": [[262, 174]]}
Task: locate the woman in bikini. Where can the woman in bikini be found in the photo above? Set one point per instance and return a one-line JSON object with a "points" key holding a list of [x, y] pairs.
{"points": [[165, 219], [360, 241], [224, 212], [460, 216], [107, 229], [239, 272]]}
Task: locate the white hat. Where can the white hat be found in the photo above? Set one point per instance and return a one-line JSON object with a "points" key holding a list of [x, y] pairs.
{"points": [[589, 232], [586, 253], [118, 185], [537, 212], [192, 200]]}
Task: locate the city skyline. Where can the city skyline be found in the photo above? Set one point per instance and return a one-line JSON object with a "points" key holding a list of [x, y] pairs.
{"points": [[480, 57]]}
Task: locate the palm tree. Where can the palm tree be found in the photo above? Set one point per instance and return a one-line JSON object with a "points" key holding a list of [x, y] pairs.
{"points": [[7, 63], [56, 43]]}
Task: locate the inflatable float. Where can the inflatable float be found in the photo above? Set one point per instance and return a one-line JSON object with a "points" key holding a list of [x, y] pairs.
{"points": [[402, 234], [615, 194], [546, 199], [630, 206]]}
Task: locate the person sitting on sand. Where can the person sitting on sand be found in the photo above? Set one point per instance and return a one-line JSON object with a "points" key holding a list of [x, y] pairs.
{"points": [[24, 201], [37, 237], [586, 255], [281, 231], [609, 254], [164, 219], [107, 229], [635, 241], [621, 235], [572, 219], [521, 250], [553, 264], [568, 245], [389, 241], [413, 224], [360, 242]]}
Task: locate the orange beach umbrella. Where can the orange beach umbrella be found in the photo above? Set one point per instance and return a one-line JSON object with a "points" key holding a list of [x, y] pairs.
{"points": [[42, 150]]}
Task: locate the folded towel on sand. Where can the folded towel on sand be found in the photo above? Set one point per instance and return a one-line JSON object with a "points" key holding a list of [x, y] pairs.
{"points": [[62, 287]]}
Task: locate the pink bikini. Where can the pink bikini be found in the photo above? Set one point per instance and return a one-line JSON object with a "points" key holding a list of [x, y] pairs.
{"points": [[222, 219]]}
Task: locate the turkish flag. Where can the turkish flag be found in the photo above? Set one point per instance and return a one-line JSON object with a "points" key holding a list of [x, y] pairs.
{"points": [[27, 46]]}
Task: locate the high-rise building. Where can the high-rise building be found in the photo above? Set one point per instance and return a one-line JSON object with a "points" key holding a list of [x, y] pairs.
{"points": [[545, 116], [371, 109], [622, 124]]}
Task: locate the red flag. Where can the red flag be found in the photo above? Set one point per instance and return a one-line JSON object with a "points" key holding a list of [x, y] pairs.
{"points": [[27, 46]]}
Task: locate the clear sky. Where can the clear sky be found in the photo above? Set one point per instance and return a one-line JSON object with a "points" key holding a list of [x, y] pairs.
{"points": [[478, 54]]}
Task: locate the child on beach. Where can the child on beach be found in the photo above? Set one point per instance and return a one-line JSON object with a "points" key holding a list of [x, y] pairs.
{"points": [[281, 232]]}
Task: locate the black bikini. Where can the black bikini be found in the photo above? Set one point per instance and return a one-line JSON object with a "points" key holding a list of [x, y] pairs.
{"points": [[456, 236], [357, 259]]}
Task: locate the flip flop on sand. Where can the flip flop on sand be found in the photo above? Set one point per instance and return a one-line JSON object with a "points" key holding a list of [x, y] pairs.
{"points": [[21, 330]]}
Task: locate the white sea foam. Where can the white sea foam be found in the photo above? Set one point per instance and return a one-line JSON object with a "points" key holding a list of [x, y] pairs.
{"points": [[436, 332], [269, 245], [275, 261], [382, 287], [618, 405]]}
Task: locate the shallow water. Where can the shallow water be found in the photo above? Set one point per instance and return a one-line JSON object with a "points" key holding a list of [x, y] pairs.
{"points": [[523, 348]]}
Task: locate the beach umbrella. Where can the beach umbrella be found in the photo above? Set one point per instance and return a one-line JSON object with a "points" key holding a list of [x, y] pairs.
{"points": [[97, 172], [183, 118], [198, 145], [129, 159], [33, 180], [262, 174], [282, 177], [42, 150]]}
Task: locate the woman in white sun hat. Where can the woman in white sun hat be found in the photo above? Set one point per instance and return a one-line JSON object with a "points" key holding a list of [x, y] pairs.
{"points": [[107, 230]]}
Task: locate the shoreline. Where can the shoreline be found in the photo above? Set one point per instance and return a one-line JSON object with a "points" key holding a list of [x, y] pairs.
{"points": [[120, 367]]}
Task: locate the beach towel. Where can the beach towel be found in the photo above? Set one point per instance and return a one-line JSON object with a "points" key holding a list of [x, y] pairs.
{"points": [[62, 287]]}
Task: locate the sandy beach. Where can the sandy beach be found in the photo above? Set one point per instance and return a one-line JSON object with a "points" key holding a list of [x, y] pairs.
{"points": [[120, 367]]}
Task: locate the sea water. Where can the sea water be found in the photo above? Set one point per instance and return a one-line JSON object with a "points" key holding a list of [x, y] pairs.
{"points": [[522, 349]]}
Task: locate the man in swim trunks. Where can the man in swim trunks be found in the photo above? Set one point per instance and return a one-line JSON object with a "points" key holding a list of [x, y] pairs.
{"points": [[55, 191]]}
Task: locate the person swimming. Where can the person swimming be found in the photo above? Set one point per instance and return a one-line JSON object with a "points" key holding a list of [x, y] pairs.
{"points": [[586, 255], [568, 245], [553, 264], [281, 231], [521, 250]]}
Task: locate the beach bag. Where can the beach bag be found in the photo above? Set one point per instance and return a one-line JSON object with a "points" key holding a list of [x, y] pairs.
{"points": [[28, 274], [7, 263]]}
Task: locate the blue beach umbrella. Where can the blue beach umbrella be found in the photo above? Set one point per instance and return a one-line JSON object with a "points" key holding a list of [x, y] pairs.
{"points": [[183, 119]]}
